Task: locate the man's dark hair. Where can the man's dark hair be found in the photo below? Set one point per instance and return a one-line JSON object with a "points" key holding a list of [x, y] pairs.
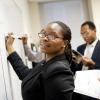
{"points": [[90, 24]]}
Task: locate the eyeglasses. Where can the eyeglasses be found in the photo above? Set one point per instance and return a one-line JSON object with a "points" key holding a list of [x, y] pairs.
{"points": [[84, 34], [49, 36]]}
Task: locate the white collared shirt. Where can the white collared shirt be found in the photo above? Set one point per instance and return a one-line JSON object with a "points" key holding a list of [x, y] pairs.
{"points": [[89, 51], [91, 48]]}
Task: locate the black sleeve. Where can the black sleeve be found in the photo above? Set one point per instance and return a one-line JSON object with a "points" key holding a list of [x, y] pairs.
{"points": [[18, 65], [75, 67]]}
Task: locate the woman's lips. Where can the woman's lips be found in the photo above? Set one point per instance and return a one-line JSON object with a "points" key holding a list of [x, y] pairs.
{"points": [[44, 45]]}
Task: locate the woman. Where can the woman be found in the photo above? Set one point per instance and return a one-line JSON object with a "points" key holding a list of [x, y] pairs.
{"points": [[52, 78]]}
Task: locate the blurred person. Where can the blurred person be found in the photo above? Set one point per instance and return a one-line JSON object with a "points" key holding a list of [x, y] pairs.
{"points": [[90, 51], [52, 78], [91, 58], [34, 56]]}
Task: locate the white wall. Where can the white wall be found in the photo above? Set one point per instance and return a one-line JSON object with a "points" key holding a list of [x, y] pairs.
{"points": [[94, 6], [35, 21], [72, 12]]}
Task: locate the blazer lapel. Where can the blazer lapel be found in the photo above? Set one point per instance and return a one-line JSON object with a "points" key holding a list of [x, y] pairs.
{"points": [[96, 51], [82, 49]]}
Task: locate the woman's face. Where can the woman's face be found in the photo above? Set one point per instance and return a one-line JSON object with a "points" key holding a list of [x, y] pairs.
{"points": [[51, 39]]}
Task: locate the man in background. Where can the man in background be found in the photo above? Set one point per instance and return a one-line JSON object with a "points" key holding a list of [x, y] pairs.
{"points": [[90, 51]]}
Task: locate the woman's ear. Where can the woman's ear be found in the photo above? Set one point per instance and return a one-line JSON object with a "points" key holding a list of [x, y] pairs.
{"points": [[63, 45]]}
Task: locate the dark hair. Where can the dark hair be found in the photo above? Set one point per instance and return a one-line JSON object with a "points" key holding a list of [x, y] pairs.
{"points": [[67, 37], [90, 24]]}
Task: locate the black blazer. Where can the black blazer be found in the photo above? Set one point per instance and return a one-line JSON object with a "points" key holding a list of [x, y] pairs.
{"points": [[50, 80], [95, 56]]}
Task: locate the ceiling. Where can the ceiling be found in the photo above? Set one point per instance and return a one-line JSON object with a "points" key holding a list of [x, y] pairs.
{"points": [[42, 0]]}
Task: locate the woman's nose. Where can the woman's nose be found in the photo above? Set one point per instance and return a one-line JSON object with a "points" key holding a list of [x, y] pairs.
{"points": [[46, 38]]}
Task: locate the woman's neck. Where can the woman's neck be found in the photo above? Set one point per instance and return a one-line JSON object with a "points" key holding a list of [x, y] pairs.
{"points": [[50, 56]]}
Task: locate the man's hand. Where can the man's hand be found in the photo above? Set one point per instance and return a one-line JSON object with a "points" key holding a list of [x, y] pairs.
{"points": [[88, 62]]}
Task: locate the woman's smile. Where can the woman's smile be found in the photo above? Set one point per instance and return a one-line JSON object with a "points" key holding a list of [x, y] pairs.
{"points": [[44, 45]]}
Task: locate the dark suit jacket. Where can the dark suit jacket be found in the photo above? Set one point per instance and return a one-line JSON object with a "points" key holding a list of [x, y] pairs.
{"points": [[50, 80], [95, 57]]}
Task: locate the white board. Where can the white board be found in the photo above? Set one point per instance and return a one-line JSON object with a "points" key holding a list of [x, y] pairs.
{"points": [[10, 21]]}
